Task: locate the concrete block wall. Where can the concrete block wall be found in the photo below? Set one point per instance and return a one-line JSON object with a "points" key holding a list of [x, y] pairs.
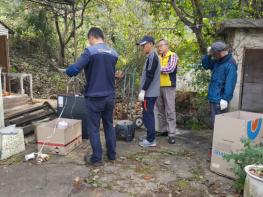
{"points": [[240, 41]]}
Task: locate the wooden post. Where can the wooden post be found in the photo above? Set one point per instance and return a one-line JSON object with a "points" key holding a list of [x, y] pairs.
{"points": [[2, 122], [4, 58]]}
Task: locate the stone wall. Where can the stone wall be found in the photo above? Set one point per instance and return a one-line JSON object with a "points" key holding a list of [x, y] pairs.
{"points": [[240, 40]]}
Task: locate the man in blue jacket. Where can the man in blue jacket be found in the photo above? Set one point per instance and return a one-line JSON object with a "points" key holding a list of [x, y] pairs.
{"points": [[98, 62], [223, 79]]}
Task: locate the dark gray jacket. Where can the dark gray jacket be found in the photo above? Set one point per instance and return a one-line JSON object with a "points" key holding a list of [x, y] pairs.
{"points": [[150, 80]]}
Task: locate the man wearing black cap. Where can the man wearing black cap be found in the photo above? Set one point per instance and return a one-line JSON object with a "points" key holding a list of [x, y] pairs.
{"points": [[98, 62], [150, 89], [223, 79]]}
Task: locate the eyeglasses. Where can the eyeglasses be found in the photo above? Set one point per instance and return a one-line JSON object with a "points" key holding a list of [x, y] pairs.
{"points": [[160, 45]]}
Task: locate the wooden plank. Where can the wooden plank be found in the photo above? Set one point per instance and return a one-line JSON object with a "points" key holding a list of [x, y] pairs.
{"points": [[253, 66], [252, 97], [252, 93], [14, 101], [10, 112], [2, 123], [4, 54]]}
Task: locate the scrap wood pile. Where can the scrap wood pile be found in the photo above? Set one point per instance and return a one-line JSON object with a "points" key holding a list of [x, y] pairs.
{"points": [[192, 110], [127, 106], [125, 111]]}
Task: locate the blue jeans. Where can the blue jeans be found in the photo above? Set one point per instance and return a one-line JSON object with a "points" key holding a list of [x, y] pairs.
{"points": [[101, 108], [215, 110], [148, 117]]}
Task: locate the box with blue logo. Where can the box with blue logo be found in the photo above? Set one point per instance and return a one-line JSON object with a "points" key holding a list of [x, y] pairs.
{"points": [[228, 130]]}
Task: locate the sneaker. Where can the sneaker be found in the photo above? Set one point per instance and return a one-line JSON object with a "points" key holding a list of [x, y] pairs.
{"points": [[145, 143], [88, 162], [171, 140], [141, 138], [111, 158]]}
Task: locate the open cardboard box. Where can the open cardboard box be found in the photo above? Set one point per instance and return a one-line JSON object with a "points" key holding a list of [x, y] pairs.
{"points": [[229, 128]]}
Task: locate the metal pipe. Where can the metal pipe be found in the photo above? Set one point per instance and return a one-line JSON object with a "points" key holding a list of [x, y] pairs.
{"points": [[133, 80], [4, 85], [22, 91], [31, 86], [124, 83]]}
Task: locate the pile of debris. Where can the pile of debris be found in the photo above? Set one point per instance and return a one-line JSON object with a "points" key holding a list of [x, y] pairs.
{"points": [[192, 110], [125, 111]]}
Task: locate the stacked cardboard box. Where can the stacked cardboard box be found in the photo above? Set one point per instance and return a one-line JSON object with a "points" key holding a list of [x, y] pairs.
{"points": [[228, 130], [57, 140]]}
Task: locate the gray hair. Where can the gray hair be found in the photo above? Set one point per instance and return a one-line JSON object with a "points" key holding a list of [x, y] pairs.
{"points": [[165, 41]]}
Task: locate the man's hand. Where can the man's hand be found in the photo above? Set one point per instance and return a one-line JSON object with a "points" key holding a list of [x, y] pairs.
{"points": [[141, 95], [223, 104]]}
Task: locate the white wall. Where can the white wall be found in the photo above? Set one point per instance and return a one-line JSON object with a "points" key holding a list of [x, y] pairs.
{"points": [[3, 30], [250, 39]]}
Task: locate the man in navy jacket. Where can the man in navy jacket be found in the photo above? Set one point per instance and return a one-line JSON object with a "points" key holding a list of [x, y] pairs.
{"points": [[223, 79], [98, 62]]}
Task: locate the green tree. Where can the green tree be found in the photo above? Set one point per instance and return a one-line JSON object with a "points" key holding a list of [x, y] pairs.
{"points": [[204, 17], [64, 13]]}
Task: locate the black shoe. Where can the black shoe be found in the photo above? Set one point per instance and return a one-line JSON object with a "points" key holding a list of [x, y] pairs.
{"points": [[171, 140], [162, 134], [111, 159], [88, 162]]}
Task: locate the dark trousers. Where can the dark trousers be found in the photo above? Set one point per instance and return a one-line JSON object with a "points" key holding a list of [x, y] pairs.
{"points": [[215, 110], [148, 117], [101, 108]]}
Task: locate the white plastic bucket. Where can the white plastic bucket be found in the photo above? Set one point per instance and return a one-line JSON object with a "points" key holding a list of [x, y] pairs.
{"points": [[253, 185]]}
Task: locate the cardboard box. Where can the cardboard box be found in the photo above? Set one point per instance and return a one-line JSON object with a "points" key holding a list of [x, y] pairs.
{"points": [[57, 140], [228, 130], [12, 144]]}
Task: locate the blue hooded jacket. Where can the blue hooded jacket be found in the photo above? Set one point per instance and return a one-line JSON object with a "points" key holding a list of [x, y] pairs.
{"points": [[223, 79], [98, 62]]}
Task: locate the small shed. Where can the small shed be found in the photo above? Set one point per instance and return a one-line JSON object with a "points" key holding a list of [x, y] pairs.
{"points": [[245, 37], [4, 49]]}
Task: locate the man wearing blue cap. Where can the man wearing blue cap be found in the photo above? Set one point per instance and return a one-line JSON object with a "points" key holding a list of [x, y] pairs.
{"points": [[150, 89], [223, 79]]}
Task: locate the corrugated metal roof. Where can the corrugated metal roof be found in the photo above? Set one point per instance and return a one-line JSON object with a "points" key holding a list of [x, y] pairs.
{"points": [[10, 31], [3, 30]]}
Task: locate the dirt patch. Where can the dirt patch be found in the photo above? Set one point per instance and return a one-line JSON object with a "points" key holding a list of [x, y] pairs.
{"points": [[165, 170]]}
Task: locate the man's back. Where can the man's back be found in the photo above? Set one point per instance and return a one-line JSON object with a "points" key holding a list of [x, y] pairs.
{"points": [[100, 71]]}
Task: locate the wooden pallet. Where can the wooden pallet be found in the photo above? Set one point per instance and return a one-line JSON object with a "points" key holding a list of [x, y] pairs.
{"points": [[15, 100]]}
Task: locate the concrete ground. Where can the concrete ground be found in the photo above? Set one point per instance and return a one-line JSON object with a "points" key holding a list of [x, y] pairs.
{"points": [[162, 171]]}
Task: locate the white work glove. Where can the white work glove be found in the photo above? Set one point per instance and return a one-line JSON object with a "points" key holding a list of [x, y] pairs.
{"points": [[223, 104], [141, 95], [209, 51], [62, 70]]}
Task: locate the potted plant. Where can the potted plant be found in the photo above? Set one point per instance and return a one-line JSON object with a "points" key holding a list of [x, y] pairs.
{"points": [[254, 181]]}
